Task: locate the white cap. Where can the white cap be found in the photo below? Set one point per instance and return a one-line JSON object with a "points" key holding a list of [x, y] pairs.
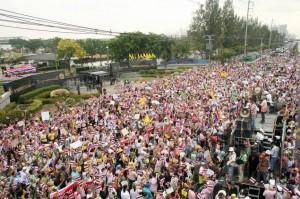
{"points": [[231, 149], [268, 152]]}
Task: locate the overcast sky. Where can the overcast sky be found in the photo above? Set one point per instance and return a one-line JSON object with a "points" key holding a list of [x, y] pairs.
{"points": [[158, 16]]}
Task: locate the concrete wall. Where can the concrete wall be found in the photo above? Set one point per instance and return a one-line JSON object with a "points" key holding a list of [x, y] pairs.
{"points": [[4, 99]]}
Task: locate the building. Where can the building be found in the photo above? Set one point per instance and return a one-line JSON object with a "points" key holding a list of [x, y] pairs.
{"points": [[44, 59]]}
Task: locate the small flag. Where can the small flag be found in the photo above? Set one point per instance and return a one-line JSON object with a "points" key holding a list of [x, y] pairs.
{"points": [[252, 180]]}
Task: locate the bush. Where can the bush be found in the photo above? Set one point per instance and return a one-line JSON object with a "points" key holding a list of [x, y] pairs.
{"points": [[42, 95], [15, 115], [48, 68], [10, 107], [70, 101], [11, 115], [59, 93], [49, 100], [35, 106], [30, 95]]}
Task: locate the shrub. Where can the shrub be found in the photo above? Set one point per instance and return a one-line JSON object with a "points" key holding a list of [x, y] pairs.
{"points": [[59, 92], [11, 116], [30, 95], [70, 101], [45, 94], [10, 106], [49, 100], [48, 68], [35, 106], [15, 115]]}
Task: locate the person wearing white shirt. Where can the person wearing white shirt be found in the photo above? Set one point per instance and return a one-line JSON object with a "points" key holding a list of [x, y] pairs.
{"points": [[274, 156], [231, 162], [153, 184], [125, 193], [133, 192]]}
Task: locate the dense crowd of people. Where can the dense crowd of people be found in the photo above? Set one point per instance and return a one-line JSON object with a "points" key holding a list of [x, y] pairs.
{"points": [[167, 138]]}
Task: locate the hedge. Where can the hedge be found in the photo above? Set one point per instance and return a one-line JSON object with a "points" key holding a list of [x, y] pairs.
{"points": [[48, 68], [35, 106], [42, 95], [10, 107], [30, 95], [11, 115], [49, 101]]}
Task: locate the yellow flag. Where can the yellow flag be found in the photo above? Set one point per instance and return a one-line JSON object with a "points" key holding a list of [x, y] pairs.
{"points": [[147, 120], [142, 101], [131, 56], [224, 74], [212, 94], [148, 56]]}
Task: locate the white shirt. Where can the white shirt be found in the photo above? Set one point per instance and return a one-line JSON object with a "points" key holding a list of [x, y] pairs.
{"points": [[269, 98], [231, 158], [275, 152], [153, 185], [125, 195], [133, 194]]}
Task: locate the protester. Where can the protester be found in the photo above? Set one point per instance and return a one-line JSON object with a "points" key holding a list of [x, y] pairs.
{"points": [[167, 138]]}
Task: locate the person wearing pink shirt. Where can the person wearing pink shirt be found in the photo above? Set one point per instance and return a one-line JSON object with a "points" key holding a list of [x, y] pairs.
{"points": [[269, 193]]}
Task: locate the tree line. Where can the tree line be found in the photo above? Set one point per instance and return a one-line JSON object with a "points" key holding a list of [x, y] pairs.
{"points": [[227, 31], [225, 28]]}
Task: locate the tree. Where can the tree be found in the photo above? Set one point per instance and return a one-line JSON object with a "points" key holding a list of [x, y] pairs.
{"points": [[228, 25], [181, 47], [207, 21], [137, 43], [50, 45], [228, 30], [94, 46], [68, 48], [34, 44], [18, 43], [294, 49]]}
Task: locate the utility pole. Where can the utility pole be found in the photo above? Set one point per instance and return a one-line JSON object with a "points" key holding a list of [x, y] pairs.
{"points": [[246, 30], [261, 47], [270, 39], [209, 47]]}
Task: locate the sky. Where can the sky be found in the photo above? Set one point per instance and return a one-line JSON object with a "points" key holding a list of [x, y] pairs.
{"points": [[171, 17]]}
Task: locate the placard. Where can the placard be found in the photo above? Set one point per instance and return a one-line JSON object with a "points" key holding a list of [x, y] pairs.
{"points": [[45, 116]]}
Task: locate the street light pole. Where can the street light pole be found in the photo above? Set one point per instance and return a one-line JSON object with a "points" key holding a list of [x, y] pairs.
{"points": [[246, 30], [107, 58], [270, 38]]}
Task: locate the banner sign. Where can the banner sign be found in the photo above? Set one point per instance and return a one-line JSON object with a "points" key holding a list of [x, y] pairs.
{"points": [[60, 194], [142, 56]]}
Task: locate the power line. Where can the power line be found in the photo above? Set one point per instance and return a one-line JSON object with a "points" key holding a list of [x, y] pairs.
{"points": [[42, 30], [29, 17], [45, 25]]}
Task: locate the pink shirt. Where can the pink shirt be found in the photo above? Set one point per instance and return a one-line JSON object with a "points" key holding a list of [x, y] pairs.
{"points": [[269, 194], [191, 195]]}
